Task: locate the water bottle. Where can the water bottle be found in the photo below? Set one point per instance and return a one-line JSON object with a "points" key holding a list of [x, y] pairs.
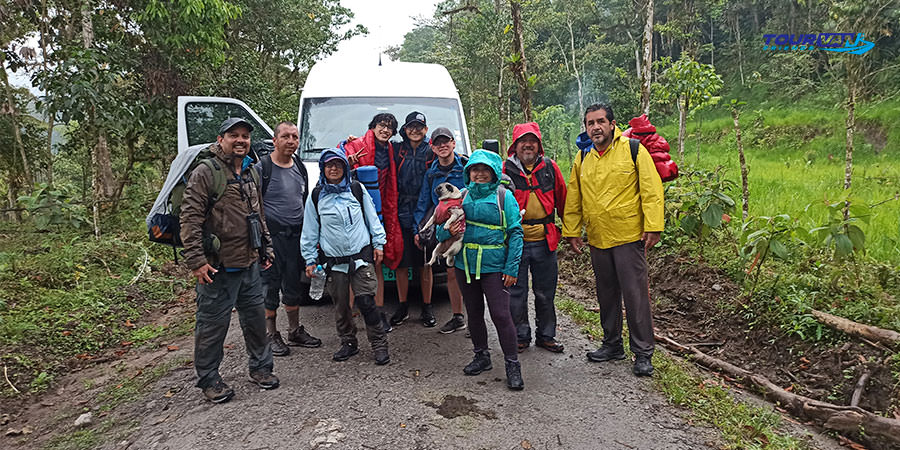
{"points": [[317, 283]]}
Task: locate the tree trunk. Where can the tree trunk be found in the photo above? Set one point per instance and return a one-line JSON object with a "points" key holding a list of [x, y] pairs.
{"points": [[712, 43], [14, 116], [889, 337], [520, 68], [851, 124], [501, 133], [51, 115], [745, 191], [575, 66], [12, 195], [647, 45], [682, 124], [87, 36], [737, 30]]}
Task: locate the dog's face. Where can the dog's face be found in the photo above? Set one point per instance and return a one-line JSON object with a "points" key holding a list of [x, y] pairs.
{"points": [[446, 191]]}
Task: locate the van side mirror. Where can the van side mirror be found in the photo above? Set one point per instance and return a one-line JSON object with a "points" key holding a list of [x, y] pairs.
{"points": [[491, 145]]}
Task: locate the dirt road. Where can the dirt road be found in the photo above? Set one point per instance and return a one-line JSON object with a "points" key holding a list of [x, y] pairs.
{"points": [[421, 400]]}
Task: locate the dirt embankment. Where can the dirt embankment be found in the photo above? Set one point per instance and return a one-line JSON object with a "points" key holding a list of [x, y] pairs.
{"points": [[699, 305]]}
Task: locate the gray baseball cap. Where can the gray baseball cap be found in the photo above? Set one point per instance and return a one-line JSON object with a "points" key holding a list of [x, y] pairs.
{"points": [[232, 122], [442, 131]]}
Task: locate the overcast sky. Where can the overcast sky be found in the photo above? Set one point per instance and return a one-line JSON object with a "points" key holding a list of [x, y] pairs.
{"points": [[387, 20]]}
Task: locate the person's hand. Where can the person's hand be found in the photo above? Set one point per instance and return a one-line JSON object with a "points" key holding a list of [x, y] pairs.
{"points": [[456, 228], [508, 280], [650, 239], [204, 274], [354, 158], [416, 241], [309, 271], [576, 243], [379, 255], [266, 263]]}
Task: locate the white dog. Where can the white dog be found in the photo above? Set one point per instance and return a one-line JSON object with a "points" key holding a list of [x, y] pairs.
{"points": [[448, 212]]}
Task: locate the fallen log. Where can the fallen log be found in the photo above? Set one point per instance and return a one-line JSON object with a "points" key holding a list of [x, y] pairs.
{"points": [[859, 388], [845, 419], [889, 337]]}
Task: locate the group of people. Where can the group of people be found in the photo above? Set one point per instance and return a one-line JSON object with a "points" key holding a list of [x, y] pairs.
{"points": [[510, 231]]}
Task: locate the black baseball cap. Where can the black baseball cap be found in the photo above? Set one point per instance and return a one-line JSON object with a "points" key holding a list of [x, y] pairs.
{"points": [[232, 122], [413, 117], [442, 131]]}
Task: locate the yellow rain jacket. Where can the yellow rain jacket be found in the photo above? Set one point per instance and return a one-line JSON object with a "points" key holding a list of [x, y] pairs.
{"points": [[617, 200]]}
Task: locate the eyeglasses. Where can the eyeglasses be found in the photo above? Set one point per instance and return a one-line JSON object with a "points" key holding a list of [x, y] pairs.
{"points": [[441, 143], [386, 126], [415, 127]]}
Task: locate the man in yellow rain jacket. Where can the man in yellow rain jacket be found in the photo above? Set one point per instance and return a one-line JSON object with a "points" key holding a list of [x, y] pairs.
{"points": [[617, 195]]}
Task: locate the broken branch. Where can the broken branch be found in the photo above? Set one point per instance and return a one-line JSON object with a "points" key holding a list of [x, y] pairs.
{"points": [[889, 337], [845, 419]]}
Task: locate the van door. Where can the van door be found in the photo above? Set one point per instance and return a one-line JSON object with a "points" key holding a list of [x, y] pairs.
{"points": [[199, 119]]}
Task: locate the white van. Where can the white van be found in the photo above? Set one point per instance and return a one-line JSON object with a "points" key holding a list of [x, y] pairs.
{"points": [[338, 100]]}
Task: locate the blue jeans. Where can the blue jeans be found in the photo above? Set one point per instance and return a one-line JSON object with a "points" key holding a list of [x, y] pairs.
{"points": [[536, 257], [241, 290]]}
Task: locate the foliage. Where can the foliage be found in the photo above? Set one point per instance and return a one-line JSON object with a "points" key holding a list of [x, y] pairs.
{"points": [[53, 207], [841, 231], [689, 81], [699, 201]]}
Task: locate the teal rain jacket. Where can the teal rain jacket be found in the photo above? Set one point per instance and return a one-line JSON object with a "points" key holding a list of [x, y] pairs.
{"points": [[491, 243]]}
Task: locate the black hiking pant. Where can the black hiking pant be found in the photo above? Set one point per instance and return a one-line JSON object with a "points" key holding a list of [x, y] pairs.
{"points": [[364, 285], [242, 290], [620, 273]]}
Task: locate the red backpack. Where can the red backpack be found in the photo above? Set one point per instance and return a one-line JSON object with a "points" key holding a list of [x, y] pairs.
{"points": [[642, 130]]}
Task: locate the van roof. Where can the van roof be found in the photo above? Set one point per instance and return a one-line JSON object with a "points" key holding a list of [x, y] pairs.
{"points": [[390, 79]]}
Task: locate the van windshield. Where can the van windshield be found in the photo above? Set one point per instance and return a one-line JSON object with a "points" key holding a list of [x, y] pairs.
{"points": [[327, 121]]}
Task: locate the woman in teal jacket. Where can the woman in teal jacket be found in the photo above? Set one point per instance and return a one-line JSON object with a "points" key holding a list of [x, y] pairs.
{"points": [[489, 261]]}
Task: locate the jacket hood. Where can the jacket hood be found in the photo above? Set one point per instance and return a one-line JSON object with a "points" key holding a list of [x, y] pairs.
{"points": [[522, 129], [217, 150], [490, 159], [328, 153]]}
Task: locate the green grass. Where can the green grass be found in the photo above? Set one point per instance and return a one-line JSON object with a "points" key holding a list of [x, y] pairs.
{"points": [[795, 154], [796, 160], [67, 295], [742, 426]]}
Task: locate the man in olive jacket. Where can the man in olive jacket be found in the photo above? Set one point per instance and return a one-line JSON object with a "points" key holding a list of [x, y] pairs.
{"points": [[218, 236], [615, 192]]}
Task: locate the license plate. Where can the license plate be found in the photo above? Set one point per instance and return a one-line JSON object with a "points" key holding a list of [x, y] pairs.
{"points": [[390, 275]]}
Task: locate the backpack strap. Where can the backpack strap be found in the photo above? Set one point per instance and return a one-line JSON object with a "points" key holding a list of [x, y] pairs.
{"points": [[267, 164], [219, 182], [634, 143]]}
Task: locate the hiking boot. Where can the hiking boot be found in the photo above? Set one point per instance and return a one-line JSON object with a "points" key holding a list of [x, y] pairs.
{"points": [[385, 323], [264, 379], [219, 392], [347, 350], [522, 346], [401, 314], [427, 316], [382, 357], [278, 346], [458, 322], [480, 363], [606, 353], [643, 367], [514, 376], [298, 337], [550, 345]]}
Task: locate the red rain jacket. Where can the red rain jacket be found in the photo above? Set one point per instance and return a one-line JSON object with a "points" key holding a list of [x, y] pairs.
{"points": [[642, 130], [387, 185], [546, 181]]}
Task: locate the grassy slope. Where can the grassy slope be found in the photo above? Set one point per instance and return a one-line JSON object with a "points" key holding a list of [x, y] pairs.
{"points": [[796, 159]]}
